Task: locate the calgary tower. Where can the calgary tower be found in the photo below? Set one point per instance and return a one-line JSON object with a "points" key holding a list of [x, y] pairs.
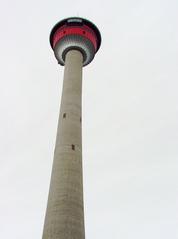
{"points": [[74, 42]]}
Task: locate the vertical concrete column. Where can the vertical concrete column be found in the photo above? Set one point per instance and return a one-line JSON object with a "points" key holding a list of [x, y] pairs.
{"points": [[65, 214]]}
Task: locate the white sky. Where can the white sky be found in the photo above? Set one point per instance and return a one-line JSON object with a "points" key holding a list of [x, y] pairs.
{"points": [[130, 117]]}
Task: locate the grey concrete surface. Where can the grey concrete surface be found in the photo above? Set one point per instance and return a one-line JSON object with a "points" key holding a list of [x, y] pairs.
{"points": [[65, 214]]}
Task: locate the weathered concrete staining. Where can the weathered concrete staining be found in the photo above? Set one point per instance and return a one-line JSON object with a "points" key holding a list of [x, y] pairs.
{"points": [[65, 214]]}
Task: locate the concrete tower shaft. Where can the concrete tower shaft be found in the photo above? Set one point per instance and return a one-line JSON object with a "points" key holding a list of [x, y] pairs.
{"points": [[65, 212], [65, 216]]}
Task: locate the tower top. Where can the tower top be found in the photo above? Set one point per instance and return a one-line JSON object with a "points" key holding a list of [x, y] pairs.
{"points": [[75, 33]]}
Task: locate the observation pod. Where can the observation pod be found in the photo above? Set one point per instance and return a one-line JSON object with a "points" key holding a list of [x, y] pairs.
{"points": [[74, 42], [75, 34]]}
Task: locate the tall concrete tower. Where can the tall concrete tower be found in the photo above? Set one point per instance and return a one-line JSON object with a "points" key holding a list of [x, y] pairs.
{"points": [[74, 42]]}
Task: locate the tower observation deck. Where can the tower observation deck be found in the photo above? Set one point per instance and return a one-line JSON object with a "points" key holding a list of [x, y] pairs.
{"points": [[75, 42]]}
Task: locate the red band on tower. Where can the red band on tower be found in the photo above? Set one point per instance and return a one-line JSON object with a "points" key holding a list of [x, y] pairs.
{"points": [[84, 31]]}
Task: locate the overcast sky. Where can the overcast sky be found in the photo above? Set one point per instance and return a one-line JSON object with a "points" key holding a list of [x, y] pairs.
{"points": [[130, 117]]}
